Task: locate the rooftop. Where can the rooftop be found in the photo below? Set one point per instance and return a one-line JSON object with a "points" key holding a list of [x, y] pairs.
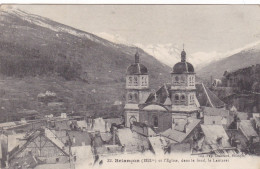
{"points": [[177, 133], [215, 136]]}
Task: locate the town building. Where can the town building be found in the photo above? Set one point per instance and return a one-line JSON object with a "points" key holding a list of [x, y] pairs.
{"points": [[170, 103]]}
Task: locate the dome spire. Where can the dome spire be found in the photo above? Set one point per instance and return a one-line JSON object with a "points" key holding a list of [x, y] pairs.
{"points": [[183, 55], [137, 57]]}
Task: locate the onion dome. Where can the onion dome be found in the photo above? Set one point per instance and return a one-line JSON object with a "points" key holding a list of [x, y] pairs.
{"points": [[137, 68], [183, 66]]}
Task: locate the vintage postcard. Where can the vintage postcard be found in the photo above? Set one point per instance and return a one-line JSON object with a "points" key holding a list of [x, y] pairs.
{"points": [[129, 86]]}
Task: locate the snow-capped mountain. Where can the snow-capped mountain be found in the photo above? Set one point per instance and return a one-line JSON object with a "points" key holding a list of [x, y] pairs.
{"points": [[247, 56], [169, 54]]}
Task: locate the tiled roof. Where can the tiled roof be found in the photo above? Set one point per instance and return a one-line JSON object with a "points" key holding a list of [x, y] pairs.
{"points": [[83, 153], [178, 135], [62, 135], [158, 144], [247, 129], [79, 138], [143, 129], [131, 140], [213, 133], [206, 97], [51, 136], [238, 135], [161, 95]]}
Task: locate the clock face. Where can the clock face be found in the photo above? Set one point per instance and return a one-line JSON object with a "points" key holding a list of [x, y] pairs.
{"points": [[132, 119]]}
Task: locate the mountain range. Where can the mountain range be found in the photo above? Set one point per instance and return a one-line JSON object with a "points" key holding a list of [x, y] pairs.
{"points": [[244, 58], [85, 71], [206, 63]]}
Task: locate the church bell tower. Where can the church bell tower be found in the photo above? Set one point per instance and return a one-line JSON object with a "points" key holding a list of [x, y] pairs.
{"points": [[137, 88]]}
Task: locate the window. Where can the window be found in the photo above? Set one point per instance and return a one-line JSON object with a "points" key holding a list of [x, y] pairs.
{"points": [[135, 81], [183, 97], [130, 81], [191, 81], [155, 121], [182, 79], [177, 97], [136, 96], [144, 81], [130, 97], [176, 78], [57, 160]]}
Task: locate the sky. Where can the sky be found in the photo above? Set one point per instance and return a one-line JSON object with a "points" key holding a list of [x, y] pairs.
{"points": [[207, 31]]}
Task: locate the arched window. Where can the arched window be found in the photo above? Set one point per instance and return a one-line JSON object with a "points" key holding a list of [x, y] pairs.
{"points": [[130, 97], [182, 79], [130, 80], [176, 78], [136, 96], [155, 121], [143, 81], [177, 97], [135, 81], [182, 97]]}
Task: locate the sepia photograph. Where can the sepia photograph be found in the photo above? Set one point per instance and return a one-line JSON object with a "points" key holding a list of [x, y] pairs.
{"points": [[129, 86]]}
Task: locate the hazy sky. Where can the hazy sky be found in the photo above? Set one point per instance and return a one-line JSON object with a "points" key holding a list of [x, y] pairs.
{"points": [[203, 28]]}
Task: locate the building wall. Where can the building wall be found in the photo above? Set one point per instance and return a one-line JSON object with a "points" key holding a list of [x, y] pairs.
{"points": [[130, 116], [43, 149], [164, 119]]}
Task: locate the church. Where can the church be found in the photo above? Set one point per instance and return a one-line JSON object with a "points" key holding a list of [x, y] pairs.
{"points": [[172, 104]]}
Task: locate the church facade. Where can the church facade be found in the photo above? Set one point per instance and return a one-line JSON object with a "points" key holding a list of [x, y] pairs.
{"points": [[166, 107]]}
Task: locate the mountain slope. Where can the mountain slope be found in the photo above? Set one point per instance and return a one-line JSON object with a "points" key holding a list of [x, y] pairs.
{"points": [[239, 60], [46, 53]]}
